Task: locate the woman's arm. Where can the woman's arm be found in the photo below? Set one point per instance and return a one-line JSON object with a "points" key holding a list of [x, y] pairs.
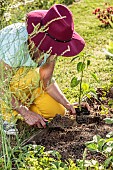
{"points": [[53, 89]]}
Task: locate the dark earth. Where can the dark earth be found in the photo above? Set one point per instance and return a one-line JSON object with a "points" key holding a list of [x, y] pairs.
{"points": [[68, 135]]}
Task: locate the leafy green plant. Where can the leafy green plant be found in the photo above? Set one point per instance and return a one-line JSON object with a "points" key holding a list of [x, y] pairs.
{"points": [[109, 50], [105, 15], [103, 146], [89, 164], [35, 157], [84, 88], [85, 164], [109, 120]]}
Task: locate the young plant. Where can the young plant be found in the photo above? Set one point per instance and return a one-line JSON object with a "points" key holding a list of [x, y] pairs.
{"points": [[105, 15], [84, 88]]}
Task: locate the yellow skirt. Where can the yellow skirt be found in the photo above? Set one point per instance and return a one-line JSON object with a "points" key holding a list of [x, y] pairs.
{"points": [[25, 87]]}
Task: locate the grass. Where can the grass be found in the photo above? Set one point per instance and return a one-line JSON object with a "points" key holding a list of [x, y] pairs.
{"points": [[96, 38]]}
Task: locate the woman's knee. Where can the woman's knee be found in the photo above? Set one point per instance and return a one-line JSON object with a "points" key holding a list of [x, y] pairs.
{"points": [[47, 106]]}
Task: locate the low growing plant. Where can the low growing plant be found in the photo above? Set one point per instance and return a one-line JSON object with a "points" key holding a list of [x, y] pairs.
{"points": [[105, 15], [103, 146], [35, 157]]}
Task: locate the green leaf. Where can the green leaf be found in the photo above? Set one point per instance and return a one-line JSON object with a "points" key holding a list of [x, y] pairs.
{"points": [[80, 66], [110, 102], [74, 58], [54, 154], [95, 77], [109, 120], [108, 149], [88, 63], [109, 140], [101, 144], [96, 138], [85, 86], [110, 134], [93, 93], [92, 146], [108, 161], [74, 82]]}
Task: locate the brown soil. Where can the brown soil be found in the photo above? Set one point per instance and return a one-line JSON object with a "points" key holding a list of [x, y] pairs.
{"points": [[68, 135]]}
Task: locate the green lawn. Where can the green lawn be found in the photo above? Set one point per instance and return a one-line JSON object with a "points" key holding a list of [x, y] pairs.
{"points": [[96, 38]]}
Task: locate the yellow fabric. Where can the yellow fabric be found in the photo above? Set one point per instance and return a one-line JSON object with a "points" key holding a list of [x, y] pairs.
{"points": [[26, 88], [46, 106], [7, 113], [23, 83]]}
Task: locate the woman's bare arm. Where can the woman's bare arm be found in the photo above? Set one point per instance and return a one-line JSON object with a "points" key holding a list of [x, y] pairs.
{"points": [[53, 89]]}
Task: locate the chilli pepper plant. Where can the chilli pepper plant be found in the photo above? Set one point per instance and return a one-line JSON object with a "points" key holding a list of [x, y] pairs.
{"points": [[105, 15]]}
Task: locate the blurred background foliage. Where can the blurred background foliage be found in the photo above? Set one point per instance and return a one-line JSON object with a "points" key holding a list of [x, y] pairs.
{"points": [[12, 11]]}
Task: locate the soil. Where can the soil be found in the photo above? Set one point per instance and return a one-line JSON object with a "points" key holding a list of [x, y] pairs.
{"points": [[68, 135]]}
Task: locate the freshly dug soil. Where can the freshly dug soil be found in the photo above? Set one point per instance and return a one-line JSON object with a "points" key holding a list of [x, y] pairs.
{"points": [[68, 135]]}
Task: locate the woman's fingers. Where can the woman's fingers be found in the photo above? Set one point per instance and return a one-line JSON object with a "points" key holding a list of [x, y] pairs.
{"points": [[43, 123], [39, 125], [75, 104], [38, 121], [86, 105]]}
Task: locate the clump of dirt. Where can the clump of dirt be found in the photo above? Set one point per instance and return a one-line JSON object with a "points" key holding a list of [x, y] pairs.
{"points": [[68, 134]]}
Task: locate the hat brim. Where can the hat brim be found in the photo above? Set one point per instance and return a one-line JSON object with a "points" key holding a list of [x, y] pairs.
{"points": [[44, 42]]}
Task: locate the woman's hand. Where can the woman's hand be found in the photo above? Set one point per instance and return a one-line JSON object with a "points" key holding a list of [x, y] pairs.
{"points": [[84, 104], [71, 108], [32, 118]]}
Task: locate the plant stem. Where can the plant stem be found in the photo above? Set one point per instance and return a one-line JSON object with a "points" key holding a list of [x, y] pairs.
{"points": [[80, 87]]}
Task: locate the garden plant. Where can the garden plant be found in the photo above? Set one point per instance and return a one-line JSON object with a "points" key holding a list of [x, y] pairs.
{"points": [[84, 88], [105, 15]]}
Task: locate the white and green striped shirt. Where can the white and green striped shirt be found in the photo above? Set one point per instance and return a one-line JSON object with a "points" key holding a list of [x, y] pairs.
{"points": [[13, 46]]}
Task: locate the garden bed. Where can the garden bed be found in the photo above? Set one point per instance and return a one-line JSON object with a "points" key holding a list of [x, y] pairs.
{"points": [[68, 135]]}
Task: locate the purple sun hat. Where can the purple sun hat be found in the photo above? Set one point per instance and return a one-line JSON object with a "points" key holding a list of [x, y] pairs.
{"points": [[54, 29]]}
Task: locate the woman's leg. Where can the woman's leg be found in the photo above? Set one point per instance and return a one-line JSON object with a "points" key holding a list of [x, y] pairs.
{"points": [[46, 106]]}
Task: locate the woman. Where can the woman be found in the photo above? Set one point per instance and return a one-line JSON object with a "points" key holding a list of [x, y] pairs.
{"points": [[33, 49]]}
